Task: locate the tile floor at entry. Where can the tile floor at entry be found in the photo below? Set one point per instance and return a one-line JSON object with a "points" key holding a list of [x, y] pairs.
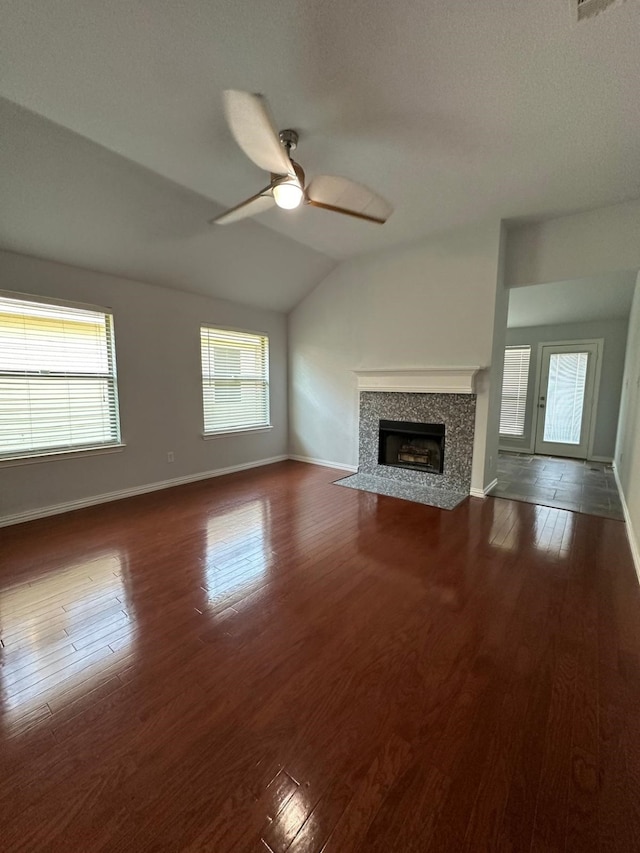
{"points": [[573, 484]]}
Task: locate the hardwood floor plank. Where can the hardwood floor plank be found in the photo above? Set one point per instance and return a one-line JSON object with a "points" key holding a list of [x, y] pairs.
{"points": [[406, 819], [529, 639], [583, 819], [351, 829]]}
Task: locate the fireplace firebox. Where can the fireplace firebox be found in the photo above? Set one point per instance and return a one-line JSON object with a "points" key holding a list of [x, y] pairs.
{"points": [[420, 447]]}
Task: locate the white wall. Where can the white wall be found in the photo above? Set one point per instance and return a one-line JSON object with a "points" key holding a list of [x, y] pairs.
{"points": [[158, 361], [570, 247], [429, 304], [627, 458], [614, 333]]}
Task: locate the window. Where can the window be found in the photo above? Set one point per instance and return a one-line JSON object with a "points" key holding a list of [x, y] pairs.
{"points": [[57, 379], [514, 390], [235, 380]]}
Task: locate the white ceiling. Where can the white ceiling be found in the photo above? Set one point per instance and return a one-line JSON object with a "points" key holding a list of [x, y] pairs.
{"points": [[455, 111], [580, 301]]}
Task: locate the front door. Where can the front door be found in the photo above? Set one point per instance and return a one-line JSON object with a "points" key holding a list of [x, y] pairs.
{"points": [[567, 376]]}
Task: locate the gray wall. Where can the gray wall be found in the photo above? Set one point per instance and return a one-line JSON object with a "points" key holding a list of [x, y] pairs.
{"points": [[158, 361], [614, 333]]}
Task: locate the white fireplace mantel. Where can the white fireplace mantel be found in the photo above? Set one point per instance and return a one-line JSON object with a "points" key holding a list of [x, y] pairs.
{"points": [[419, 380]]}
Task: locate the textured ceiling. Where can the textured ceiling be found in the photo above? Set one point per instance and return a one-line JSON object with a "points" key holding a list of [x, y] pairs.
{"points": [[455, 111]]}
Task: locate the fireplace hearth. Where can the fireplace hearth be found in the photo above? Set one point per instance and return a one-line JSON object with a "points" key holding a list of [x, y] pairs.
{"points": [[411, 445]]}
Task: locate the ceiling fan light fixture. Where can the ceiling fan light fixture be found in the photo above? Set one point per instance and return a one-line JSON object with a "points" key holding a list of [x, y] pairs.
{"points": [[288, 194], [253, 129]]}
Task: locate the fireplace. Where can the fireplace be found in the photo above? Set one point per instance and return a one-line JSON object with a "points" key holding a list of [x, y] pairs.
{"points": [[448, 418], [415, 446], [405, 415]]}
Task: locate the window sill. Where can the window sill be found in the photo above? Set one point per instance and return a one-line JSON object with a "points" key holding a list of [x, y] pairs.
{"points": [[57, 455], [209, 435]]}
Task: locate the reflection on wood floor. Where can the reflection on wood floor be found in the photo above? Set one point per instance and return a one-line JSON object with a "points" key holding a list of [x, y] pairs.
{"points": [[268, 662]]}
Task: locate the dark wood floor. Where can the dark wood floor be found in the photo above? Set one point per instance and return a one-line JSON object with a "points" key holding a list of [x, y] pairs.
{"points": [[269, 662]]}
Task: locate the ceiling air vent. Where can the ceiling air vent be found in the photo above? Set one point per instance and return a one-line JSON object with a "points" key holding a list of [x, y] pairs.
{"points": [[589, 8]]}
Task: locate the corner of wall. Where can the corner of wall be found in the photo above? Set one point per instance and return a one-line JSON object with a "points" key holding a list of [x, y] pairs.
{"points": [[494, 377], [627, 455]]}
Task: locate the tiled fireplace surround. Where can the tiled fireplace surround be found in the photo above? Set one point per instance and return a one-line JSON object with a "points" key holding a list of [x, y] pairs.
{"points": [[456, 411], [442, 395]]}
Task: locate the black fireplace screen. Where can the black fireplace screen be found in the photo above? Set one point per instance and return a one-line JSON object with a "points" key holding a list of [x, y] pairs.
{"points": [[403, 444]]}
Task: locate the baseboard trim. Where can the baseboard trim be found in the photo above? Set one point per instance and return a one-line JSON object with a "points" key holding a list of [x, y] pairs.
{"points": [[631, 534], [323, 462], [107, 497], [606, 460], [482, 493]]}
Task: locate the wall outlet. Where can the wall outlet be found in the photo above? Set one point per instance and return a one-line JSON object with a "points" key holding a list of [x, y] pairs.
{"points": [[170, 456]]}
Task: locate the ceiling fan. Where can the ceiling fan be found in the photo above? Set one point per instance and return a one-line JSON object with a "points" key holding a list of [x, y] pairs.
{"points": [[250, 122]]}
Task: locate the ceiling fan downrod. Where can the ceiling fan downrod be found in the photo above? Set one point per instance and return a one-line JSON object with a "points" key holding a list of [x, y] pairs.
{"points": [[289, 138]]}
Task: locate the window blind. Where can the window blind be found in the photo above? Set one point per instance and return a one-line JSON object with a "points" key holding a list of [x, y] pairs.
{"points": [[235, 380], [57, 379], [565, 397], [514, 390]]}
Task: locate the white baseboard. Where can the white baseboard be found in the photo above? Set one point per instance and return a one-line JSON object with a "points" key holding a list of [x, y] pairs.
{"points": [[631, 533], [339, 465], [606, 460], [482, 493], [107, 497]]}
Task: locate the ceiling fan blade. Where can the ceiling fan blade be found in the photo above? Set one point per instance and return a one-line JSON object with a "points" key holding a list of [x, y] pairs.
{"points": [[344, 196], [253, 129], [249, 207]]}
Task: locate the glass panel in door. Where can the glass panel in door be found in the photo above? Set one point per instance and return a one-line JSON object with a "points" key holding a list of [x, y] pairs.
{"points": [[565, 397]]}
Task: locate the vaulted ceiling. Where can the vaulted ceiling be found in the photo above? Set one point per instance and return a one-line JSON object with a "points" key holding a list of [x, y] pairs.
{"points": [[454, 111]]}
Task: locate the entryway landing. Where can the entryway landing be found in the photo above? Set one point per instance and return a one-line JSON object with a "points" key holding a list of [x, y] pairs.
{"points": [[572, 484]]}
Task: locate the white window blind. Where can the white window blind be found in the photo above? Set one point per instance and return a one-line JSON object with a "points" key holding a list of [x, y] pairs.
{"points": [[235, 380], [565, 397], [57, 379], [514, 390]]}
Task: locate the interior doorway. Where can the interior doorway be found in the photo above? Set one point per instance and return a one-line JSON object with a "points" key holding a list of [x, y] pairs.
{"points": [[565, 348]]}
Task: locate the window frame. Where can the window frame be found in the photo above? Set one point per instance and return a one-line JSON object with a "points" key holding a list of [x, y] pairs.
{"points": [[70, 450], [514, 436], [212, 329]]}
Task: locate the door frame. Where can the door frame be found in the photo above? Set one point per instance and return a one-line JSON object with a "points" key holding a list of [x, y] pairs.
{"points": [[599, 343]]}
